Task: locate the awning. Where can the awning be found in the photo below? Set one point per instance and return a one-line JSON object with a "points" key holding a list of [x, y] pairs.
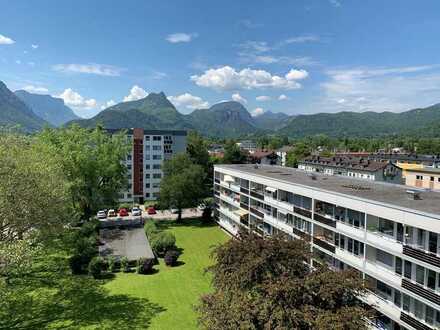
{"points": [[241, 212], [228, 178], [270, 189]]}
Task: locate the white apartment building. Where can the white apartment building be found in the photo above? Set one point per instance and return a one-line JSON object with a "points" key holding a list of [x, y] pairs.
{"points": [[144, 163], [387, 233]]}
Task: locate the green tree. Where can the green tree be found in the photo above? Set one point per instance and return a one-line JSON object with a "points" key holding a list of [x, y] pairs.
{"points": [[93, 163], [182, 184], [233, 153], [300, 151], [197, 150], [34, 199], [267, 284]]}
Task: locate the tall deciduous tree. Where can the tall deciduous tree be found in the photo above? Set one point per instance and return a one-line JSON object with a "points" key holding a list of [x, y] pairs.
{"points": [[182, 184], [300, 151], [233, 153], [267, 284], [197, 150], [93, 163], [34, 198]]}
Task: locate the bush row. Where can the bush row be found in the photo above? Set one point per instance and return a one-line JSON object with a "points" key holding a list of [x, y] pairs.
{"points": [[163, 243]]}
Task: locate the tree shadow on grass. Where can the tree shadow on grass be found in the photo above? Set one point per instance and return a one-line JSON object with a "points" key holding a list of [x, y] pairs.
{"points": [[189, 222], [73, 302]]}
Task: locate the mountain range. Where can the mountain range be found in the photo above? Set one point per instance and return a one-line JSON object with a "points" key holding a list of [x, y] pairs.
{"points": [[50, 109], [225, 120]]}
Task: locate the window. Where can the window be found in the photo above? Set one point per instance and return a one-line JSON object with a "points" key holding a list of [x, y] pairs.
{"points": [[432, 242], [398, 265], [147, 195], [418, 309], [129, 166], [147, 156], [420, 275], [432, 178], [128, 157], [350, 245], [157, 175], [386, 227], [156, 185], [399, 228], [157, 166], [384, 289], [147, 176], [419, 177], [429, 315], [128, 195], [397, 298], [147, 167], [384, 258], [431, 279], [421, 238], [406, 302], [408, 269], [157, 138], [147, 185], [157, 157]]}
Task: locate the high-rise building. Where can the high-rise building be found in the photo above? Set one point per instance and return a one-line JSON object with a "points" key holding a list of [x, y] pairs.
{"points": [[144, 163], [389, 234]]}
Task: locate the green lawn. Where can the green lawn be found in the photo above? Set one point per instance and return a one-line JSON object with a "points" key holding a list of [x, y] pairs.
{"points": [[174, 291]]}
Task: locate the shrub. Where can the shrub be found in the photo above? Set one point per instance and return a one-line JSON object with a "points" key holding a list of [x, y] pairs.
{"points": [[207, 214], [126, 206], [163, 242], [77, 264], [144, 266], [150, 229], [112, 265], [95, 267], [171, 257], [125, 265]]}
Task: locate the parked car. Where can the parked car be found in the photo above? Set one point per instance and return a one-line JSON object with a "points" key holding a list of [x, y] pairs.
{"points": [[136, 212], [151, 210], [174, 211], [111, 213], [123, 212], [101, 215], [201, 206]]}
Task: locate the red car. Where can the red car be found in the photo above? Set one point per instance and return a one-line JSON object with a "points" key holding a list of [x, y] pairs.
{"points": [[123, 212], [151, 210]]}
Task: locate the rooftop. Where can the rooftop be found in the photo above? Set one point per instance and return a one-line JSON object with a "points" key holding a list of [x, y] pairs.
{"points": [[357, 163], [431, 170], [385, 193]]}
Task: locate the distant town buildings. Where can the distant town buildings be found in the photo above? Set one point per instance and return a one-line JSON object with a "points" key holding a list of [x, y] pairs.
{"points": [[360, 168], [427, 177], [282, 154], [247, 145], [144, 163]]}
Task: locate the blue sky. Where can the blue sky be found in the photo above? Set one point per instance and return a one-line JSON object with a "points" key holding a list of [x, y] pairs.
{"points": [[291, 56]]}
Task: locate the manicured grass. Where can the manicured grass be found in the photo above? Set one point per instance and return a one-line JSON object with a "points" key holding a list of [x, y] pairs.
{"points": [[175, 289]]}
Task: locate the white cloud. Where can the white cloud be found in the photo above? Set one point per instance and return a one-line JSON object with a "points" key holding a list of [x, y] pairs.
{"points": [[136, 93], [297, 74], [283, 97], [257, 112], [18, 61], [108, 104], [188, 101], [31, 63], [335, 3], [247, 23], [34, 46], [181, 37], [75, 100], [227, 78], [263, 98], [238, 98], [93, 68], [5, 40], [35, 89], [380, 89], [301, 39]]}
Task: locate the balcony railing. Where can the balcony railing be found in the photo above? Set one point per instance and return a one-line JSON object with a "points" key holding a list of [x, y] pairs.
{"points": [[303, 235], [421, 255], [257, 195], [303, 212], [244, 190], [416, 324], [324, 220], [324, 245], [421, 291], [256, 212], [244, 206]]}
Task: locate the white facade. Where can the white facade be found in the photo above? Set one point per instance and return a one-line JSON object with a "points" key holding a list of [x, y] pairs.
{"points": [[395, 248]]}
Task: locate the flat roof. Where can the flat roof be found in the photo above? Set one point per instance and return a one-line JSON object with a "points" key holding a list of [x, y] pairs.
{"points": [[150, 131], [374, 191], [431, 170]]}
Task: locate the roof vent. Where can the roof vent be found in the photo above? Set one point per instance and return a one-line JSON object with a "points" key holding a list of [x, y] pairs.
{"points": [[413, 194], [256, 166], [312, 176]]}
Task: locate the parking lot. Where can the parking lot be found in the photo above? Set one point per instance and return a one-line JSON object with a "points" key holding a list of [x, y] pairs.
{"points": [[160, 215]]}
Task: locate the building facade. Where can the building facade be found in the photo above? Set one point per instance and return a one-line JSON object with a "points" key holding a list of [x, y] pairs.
{"points": [[390, 235], [427, 177], [144, 163], [359, 168]]}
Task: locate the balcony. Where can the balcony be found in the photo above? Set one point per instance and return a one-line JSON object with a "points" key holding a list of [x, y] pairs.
{"points": [[230, 200], [303, 212], [303, 235], [421, 291], [416, 324], [258, 195], [256, 212], [421, 255], [323, 244], [324, 220], [384, 242], [244, 190]]}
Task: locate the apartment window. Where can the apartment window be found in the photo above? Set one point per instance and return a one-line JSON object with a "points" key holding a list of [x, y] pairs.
{"points": [[397, 298], [147, 195], [129, 166], [147, 166], [429, 315], [408, 269], [147, 185], [157, 138], [431, 279], [406, 302], [128, 195], [156, 185], [421, 234], [157, 148], [147, 156], [419, 177], [350, 245], [157, 175], [384, 258], [418, 309], [157, 166], [432, 178], [157, 157], [398, 265], [420, 275], [384, 289], [147, 175], [156, 195], [432, 242], [147, 138], [128, 157], [386, 227]]}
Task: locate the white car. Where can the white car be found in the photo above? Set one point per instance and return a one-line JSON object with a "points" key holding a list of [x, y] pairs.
{"points": [[136, 212], [101, 215], [201, 207], [174, 211]]}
